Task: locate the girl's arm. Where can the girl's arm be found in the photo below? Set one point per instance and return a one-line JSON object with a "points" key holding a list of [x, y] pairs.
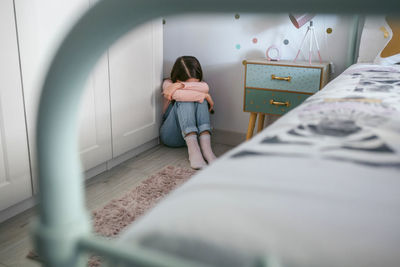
{"points": [[210, 103], [169, 88], [188, 96], [185, 91], [192, 91], [196, 86]]}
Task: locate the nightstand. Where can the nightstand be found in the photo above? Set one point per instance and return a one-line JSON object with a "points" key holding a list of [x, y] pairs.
{"points": [[275, 87]]}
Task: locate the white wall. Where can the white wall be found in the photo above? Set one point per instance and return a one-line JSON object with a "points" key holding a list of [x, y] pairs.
{"points": [[213, 40]]}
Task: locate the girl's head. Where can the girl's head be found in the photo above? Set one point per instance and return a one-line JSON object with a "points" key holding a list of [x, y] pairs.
{"points": [[186, 67]]}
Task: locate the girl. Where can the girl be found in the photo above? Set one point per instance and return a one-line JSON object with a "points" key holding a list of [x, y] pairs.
{"points": [[186, 111]]}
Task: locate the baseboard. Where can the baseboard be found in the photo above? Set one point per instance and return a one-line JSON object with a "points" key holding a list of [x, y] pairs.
{"points": [[31, 202], [17, 208], [228, 137], [95, 171]]}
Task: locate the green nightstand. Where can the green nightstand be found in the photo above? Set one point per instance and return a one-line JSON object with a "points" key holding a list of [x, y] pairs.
{"points": [[275, 87]]}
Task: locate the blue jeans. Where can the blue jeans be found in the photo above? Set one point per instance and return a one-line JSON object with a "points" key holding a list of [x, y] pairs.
{"points": [[182, 118]]}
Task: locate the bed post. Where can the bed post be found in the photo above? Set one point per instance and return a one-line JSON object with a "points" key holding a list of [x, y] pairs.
{"points": [[352, 52], [63, 222]]}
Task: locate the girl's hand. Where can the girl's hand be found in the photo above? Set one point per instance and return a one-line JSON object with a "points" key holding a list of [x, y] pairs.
{"points": [[210, 103], [170, 90]]}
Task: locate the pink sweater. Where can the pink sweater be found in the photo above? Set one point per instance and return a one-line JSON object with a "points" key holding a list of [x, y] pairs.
{"points": [[191, 92]]}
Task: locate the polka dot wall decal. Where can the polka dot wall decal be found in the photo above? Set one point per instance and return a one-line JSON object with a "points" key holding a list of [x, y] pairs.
{"points": [[237, 16], [286, 41], [329, 30], [237, 46], [255, 40]]}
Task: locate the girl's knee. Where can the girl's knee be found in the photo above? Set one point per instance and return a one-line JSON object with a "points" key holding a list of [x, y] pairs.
{"points": [[204, 103], [186, 105]]}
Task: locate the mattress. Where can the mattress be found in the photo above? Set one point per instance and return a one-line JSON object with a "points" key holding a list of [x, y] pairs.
{"points": [[319, 187]]}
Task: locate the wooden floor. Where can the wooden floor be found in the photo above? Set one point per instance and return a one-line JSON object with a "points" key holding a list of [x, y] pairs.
{"points": [[15, 241]]}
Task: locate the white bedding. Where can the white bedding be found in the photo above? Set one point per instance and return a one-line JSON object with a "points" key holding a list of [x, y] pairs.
{"points": [[319, 187]]}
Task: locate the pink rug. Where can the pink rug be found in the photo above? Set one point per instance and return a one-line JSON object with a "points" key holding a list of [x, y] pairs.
{"points": [[109, 220], [118, 213]]}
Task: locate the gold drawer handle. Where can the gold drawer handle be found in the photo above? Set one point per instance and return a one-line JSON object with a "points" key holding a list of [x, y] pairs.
{"points": [[272, 102], [288, 78]]}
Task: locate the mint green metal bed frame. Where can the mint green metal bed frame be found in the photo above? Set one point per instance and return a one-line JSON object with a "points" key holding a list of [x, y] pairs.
{"points": [[62, 233]]}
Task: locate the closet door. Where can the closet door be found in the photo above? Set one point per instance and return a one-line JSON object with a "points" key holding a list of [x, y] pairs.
{"points": [[41, 27], [15, 180], [135, 79], [95, 125]]}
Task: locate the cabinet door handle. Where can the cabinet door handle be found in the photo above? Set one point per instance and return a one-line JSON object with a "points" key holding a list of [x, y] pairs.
{"points": [[274, 77], [272, 102]]}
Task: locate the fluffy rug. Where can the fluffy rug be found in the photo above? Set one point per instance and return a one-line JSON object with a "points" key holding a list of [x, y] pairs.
{"points": [[118, 213], [109, 220]]}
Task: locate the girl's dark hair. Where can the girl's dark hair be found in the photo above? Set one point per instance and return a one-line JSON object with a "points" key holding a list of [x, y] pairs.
{"points": [[186, 67]]}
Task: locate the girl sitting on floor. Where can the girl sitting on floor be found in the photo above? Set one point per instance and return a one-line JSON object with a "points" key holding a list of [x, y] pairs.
{"points": [[186, 118]]}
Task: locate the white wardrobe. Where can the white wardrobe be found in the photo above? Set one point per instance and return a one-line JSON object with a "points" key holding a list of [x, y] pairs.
{"points": [[15, 180], [121, 107]]}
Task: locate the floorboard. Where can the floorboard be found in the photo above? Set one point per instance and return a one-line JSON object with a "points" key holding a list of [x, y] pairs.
{"points": [[15, 242]]}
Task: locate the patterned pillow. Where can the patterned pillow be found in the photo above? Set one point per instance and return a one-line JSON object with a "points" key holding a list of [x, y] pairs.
{"points": [[372, 39], [390, 54]]}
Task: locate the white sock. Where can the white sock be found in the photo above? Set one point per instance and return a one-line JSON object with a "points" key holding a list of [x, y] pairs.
{"points": [[195, 156], [205, 144]]}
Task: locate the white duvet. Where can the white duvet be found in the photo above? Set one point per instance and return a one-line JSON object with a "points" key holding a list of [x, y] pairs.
{"points": [[319, 187]]}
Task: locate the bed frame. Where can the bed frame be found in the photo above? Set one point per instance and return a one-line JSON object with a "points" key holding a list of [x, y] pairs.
{"points": [[62, 233]]}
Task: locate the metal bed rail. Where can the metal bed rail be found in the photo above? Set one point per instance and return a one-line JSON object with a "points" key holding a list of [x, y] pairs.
{"points": [[63, 228]]}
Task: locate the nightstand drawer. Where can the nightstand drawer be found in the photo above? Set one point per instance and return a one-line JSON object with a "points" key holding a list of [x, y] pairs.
{"points": [[286, 78], [272, 102]]}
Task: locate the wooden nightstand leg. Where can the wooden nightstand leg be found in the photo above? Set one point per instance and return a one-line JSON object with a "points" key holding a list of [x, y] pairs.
{"points": [[261, 118], [252, 123]]}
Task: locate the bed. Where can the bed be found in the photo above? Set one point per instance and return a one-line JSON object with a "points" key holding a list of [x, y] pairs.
{"points": [[317, 188]]}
